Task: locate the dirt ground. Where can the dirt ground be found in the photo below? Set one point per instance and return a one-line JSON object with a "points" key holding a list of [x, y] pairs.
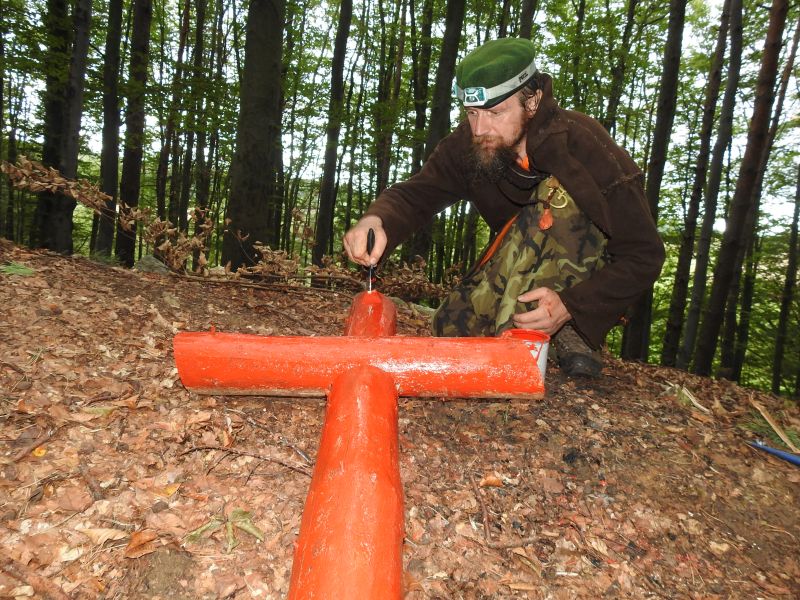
{"points": [[115, 482]]}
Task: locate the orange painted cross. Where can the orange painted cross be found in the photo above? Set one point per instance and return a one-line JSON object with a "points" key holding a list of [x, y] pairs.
{"points": [[351, 533]]}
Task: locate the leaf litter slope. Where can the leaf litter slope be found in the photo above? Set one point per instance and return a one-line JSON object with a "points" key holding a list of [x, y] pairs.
{"points": [[118, 483]]}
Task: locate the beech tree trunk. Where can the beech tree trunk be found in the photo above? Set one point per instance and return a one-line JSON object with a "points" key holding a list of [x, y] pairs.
{"points": [[636, 340], [386, 107], [256, 190], [57, 26], [170, 141], [130, 182], [421, 66], [618, 70], [196, 102], [439, 124], [421, 69], [578, 91], [787, 296], [742, 332], [733, 238], [3, 213], [724, 136], [680, 287], [327, 196], [527, 13], [109, 154]]}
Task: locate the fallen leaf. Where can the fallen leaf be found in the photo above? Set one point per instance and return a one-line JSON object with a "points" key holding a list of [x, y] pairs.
{"points": [[719, 548], [199, 417], [244, 521], [142, 542], [168, 490], [197, 534], [491, 481], [75, 499], [67, 554], [100, 535]]}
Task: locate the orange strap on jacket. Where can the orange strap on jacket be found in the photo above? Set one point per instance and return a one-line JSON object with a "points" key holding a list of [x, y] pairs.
{"points": [[496, 242], [524, 163]]}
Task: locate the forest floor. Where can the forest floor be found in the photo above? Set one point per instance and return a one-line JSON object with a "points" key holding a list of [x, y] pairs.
{"points": [[118, 483]]}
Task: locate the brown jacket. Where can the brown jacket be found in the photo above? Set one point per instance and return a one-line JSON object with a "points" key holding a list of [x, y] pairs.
{"points": [[597, 173]]}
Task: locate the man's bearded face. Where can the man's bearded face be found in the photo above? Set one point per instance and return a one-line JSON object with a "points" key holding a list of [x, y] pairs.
{"points": [[496, 135]]}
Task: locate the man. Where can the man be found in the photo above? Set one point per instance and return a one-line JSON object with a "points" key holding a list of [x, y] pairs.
{"points": [[577, 243]]}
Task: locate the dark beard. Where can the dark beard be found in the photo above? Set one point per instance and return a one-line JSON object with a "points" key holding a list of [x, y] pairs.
{"points": [[491, 165]]}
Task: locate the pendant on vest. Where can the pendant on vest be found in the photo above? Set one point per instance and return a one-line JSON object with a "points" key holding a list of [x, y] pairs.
{"points": [[546, 220]]}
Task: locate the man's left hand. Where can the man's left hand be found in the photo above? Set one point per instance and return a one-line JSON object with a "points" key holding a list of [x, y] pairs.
{"points": [[549, 316]]}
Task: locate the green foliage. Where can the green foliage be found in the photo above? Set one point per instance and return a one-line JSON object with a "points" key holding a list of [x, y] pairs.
{"points": [[756, 423], [15, 268]]}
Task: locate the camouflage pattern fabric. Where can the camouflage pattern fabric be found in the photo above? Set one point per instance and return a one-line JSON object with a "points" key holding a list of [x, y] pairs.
{"points": [[559, 257]]}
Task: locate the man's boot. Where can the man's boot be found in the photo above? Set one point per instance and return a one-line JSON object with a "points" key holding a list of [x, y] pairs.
{"points": [[575, 357]]}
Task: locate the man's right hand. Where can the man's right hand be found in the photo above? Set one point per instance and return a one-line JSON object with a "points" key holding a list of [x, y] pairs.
{"points": [[355, 241]]}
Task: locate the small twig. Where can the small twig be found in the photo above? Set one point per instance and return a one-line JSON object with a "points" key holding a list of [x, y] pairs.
{"points": [[29, 447], [288, 465], [119, 524], [25, 574], [222, 456], [476, 490], [779, 530], [259, 425], [774, 424], [526, 541], [13, 367], [486, 531]]}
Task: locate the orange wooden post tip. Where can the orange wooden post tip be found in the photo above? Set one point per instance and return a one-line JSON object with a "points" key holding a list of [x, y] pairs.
{"points": [[371, 315]]}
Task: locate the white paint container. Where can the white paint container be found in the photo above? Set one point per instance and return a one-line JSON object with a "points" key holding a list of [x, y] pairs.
{"points": [[538, 343]]}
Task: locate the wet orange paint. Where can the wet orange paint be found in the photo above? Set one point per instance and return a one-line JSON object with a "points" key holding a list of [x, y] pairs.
{"points": [[302, 366], [372, 314], [351, 534]]}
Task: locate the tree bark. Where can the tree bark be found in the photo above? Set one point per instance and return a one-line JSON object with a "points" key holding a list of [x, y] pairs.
{"points": [[3, 212], [636, 343], [742, 201], [619, 68], [327, 197], [386, 107], [502, 24], [109, 154], [742, 332], [578, 93], [421, 66], [130, 182], [680, 287], [439, 123], [255, 188], [724, 136], [421, 69], [196, 98], [59, 40], [527, 13], [170, 140]]}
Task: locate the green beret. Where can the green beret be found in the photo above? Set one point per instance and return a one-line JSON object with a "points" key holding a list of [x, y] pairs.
{"points": [[494, 71]]}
